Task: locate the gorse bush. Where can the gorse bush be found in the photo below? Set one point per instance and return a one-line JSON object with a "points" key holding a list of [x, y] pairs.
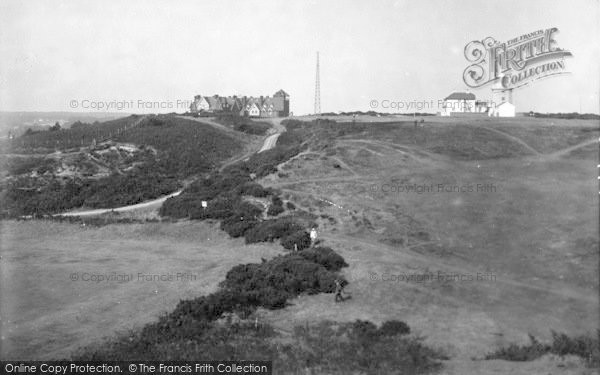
{"points": [[324, 256], [290, 274], [254, 189], [296, 241], [324, 348], [586, 347], [583, 346], [181, 148], [237, 226], [393, 328], [269, 230], [275, 210]]}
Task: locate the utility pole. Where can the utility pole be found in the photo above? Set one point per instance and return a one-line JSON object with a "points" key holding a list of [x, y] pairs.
{"points": [[317, 90]]}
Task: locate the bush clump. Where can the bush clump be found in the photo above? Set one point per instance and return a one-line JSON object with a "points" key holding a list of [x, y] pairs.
{"points": [[324, 256], [290, 274], [300, 238], [276, 206], [254, 189], [237, 226], [393, 328], [586, 347], [269, 230]]}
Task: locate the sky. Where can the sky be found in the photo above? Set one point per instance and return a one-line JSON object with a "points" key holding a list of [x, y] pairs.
{"points": [[154, 56]]}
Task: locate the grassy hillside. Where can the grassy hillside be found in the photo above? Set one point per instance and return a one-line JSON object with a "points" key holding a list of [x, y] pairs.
{"points": [[167, 150], [78, 135]]}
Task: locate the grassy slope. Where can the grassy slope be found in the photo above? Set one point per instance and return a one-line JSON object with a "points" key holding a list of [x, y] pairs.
{"points": [[534, 229], [184, 148], [537, 233]]}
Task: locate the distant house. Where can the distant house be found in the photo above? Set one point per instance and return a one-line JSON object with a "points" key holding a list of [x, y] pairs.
{"points": [[276, 106], [504, 109], [253, 110], [458, 102], [214, 103], [200, 104]]}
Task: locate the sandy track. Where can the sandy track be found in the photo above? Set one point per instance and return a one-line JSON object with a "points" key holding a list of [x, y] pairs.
{"points": [[268, 144], [149, 204]]}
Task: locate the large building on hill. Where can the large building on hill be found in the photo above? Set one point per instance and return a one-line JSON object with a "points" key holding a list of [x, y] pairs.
{"points": [[263, 106], [459, 103]]}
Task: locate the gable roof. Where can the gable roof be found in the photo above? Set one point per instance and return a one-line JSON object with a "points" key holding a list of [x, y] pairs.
{"points": [[281, 93], [213, 102], [461, 96]]}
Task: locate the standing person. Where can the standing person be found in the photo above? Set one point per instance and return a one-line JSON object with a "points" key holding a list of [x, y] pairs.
{"points": [[313, 236], [338, 291]]}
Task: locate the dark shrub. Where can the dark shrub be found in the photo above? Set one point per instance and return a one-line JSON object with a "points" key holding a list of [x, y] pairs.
{"points": [[208, 307], [324, 256], [289, 274], [290, 206], [237, 227], [364, 329], [254, 189], [270, 230], [248, 210], [276, 201], [300, 238], [269, 298], [274, 210], [514, 352], [393, 328], [581, 346], [219, 208]]}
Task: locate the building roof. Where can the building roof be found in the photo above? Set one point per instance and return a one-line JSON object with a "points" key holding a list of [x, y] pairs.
{"points": [[461, 96], [281, 93], [213, 102]]}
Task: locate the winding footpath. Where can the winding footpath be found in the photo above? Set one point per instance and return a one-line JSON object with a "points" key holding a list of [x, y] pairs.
{"points": [[268, 144]]}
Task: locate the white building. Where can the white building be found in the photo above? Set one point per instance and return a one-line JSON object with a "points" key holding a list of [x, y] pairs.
{"points": [[253, 110], [200, 104], [502, 103], [505, 109], [459, 102]]}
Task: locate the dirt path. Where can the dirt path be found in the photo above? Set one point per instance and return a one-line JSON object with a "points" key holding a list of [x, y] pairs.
{"points": [[149, 204], [417, 155], [567, 150], [555, 154], [513, 138], [268, 144], [354, 178]]}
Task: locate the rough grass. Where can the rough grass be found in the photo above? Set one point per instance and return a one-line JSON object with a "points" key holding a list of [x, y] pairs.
{"points": [[586, 347], [326, 348]]}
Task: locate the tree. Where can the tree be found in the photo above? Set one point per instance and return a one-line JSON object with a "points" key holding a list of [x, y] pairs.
{"points": [[56, 127]]}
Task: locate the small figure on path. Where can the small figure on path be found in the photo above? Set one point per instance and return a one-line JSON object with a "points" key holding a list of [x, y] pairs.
{"points": [[313, 236]]}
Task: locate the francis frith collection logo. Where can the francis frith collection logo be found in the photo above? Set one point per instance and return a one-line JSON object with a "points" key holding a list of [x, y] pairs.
{"points": [[516, 62]]}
